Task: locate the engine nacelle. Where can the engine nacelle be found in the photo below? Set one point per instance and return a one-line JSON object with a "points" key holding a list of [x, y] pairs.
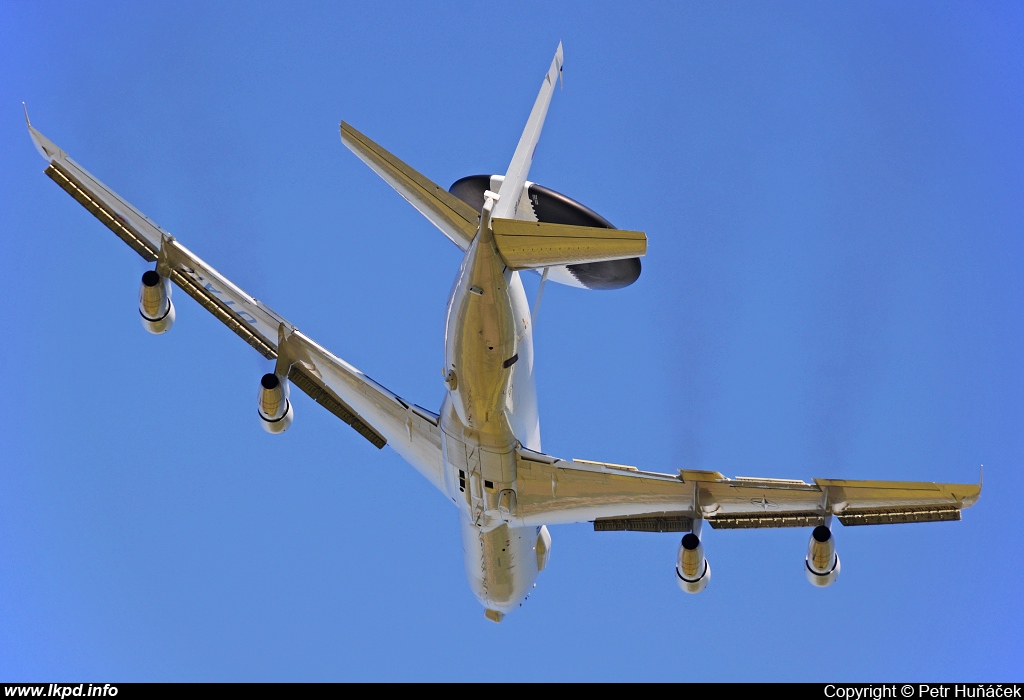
{"points": [[155, 305], [276, 412], [543, 547], [692, 571], [822, 563]]}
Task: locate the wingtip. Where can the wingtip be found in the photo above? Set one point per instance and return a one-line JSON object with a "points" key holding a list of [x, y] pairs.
{"points": [[349, 136], [560, 61], [47, 148], [973, 492]]}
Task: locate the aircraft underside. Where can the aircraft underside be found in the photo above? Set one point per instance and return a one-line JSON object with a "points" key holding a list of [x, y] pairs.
{"points": [[483, 449]]}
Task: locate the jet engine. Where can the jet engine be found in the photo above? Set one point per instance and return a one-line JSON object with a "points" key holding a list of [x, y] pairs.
{"points": [[275, 409], [155, 305], [543, 547], [693, 571], [822, 562]]}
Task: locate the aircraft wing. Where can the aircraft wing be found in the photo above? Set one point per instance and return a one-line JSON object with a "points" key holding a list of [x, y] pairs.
{"points": [[618, 497], [455, 218], [377, 414]]}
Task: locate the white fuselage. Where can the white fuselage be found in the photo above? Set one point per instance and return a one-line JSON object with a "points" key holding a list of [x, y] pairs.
{"points": [[490, 410]]}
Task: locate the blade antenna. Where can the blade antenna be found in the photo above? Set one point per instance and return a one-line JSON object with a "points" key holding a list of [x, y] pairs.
{"points": [[540, 293]]}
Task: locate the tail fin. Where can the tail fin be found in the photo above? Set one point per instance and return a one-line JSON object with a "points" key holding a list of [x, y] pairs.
{"points": [[454, 217], [515, 179]]}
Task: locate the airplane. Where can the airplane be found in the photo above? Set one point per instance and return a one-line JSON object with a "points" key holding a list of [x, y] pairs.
{"points": [[482, 449]]}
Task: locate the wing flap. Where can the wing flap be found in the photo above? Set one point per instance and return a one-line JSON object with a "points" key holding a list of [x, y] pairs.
{"points": [[223, 313], [252, 321], [892, 516], [319, 392], [455, 218], [94, 204], [762, 520], [531, 244], [653, 522], [377, 414]]}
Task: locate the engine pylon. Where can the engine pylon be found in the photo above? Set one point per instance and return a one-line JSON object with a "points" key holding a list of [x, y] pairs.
{"points": [[822, 563]]}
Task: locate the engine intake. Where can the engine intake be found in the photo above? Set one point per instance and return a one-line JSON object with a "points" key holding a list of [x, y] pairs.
{"points": [[822, 563], [155, 305], [275, 409], [693, 571]]}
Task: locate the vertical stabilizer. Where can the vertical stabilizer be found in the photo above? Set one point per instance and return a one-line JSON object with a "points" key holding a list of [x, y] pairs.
{"points": [[512, 186]]}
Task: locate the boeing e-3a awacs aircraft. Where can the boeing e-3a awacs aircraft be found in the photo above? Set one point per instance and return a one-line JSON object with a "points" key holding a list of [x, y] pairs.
{"points": [[483, 450]]}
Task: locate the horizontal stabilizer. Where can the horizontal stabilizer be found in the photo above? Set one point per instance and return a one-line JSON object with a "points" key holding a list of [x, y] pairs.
{"points": [[532, 245], [455, 218]]}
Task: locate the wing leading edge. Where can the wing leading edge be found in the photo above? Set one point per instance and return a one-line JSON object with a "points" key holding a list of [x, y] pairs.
{"points": [[373, 411]]}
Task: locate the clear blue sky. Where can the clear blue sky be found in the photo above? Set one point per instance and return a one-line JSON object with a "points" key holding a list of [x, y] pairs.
{"points": [[834, 197]]}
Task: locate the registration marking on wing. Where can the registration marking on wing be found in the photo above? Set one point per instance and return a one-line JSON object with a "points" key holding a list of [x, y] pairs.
{"points": [[219, 294]]}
